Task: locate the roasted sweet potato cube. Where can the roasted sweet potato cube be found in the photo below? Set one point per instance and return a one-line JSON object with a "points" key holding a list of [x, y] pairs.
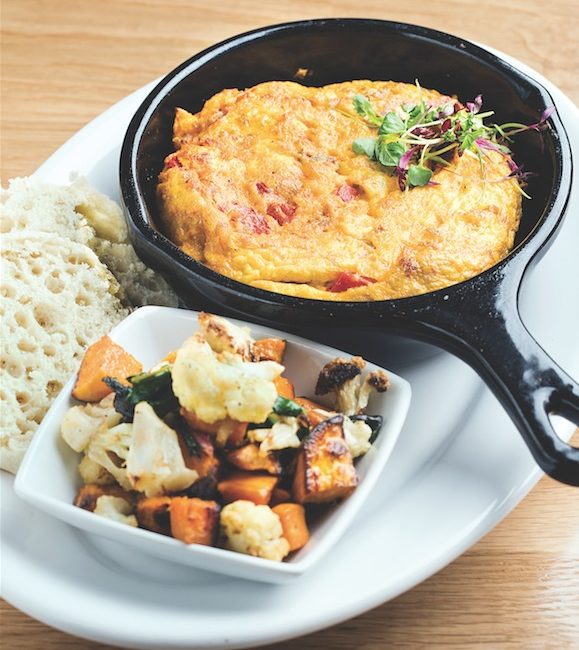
{"points": [[315, 412], [284, 387], [228, 431], [104, 358], [248, 487], [293, 523], [199, 453], [325, 469], [194, 521], [268, 350], [250, 459], [153, 514], [87, 496], [279, 495]]}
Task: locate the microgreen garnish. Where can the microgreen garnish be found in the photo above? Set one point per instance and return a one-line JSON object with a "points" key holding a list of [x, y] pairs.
{"points": [[415, 140]]}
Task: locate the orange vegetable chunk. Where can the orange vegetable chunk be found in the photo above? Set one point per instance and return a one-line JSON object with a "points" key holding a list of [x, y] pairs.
{"points": [[312, 410], [293, 523], [325, 469], [194, 521], [203, 461], [250, 459], [153, 514], [268, 350], [104, 358], [248, 487], [284, 387]]}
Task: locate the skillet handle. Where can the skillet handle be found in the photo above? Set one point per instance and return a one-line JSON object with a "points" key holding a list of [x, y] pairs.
{"points": [[491, 337]]}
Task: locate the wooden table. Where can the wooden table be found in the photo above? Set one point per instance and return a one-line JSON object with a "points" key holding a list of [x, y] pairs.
{"points": [[64, 62]]}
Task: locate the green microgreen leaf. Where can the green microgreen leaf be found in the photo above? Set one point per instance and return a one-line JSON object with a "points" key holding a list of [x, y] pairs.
{"points": [[389, 153], [418, 175], [365, 110], [365, 146], [392, 123]]}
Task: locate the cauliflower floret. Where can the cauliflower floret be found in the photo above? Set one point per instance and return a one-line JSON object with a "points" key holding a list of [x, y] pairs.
{"points": [[109, 448], [81, 422], [154, 463], [93, 473], [216, 387], [283, 434], [224, 336], [254, 530], [376, 380], [115, 508], [342, 377], [357, 434]]}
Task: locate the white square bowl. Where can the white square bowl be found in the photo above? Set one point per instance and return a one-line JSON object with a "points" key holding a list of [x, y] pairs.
{"points": [[48, 477]]}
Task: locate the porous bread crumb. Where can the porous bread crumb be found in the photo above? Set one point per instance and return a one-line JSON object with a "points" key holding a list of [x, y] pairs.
{"points": [[57, 297], [82, 214]]}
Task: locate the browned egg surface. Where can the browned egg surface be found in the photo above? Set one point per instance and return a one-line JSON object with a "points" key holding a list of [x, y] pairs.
{"points": [[264, 187]]}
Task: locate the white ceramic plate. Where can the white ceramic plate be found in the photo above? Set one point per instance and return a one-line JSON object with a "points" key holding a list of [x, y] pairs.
{"points": [[48, 477], [459, 467]]}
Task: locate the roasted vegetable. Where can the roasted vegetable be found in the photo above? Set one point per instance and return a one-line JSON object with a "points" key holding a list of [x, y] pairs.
{"points": [[194, 521], [80, 423], [250, 459], [116, 509], [198, 452], [153, 514], [87, 496], [325, 470], [216, 386], [227, 431], [151, 387], [284, 387], [268, 350], [254, 530], [342, 378], [279, 495], [293, 522], [314, 412], [155, 463], [224, 336], [375, 423], [249, 487], [285, 406], [104, 358]]}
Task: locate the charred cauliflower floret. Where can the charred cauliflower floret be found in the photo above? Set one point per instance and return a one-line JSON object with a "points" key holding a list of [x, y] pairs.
{"points": [[217, 386], [115, 508], [253, 530], [224, 336], [343, 378], [154, 463], [80, 423]]}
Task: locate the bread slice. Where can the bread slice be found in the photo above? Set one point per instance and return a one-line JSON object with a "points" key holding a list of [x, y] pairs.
{"points": [[57, 297], [81, 213]]}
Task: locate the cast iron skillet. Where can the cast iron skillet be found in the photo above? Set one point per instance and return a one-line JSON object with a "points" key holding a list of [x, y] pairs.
{"points": [[477, 320]]}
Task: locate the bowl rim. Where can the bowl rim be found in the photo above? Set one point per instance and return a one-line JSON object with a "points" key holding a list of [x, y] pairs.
{"points": [[48, 433], [516, 262]]}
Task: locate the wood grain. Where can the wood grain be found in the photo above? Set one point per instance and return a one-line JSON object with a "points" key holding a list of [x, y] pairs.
{"points": [[64, 62]]}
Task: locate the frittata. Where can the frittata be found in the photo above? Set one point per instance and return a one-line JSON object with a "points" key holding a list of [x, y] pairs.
{"points": [[264, 187]]}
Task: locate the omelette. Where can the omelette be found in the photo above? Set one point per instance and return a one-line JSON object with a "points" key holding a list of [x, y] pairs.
{"points": [[265, 188]]}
